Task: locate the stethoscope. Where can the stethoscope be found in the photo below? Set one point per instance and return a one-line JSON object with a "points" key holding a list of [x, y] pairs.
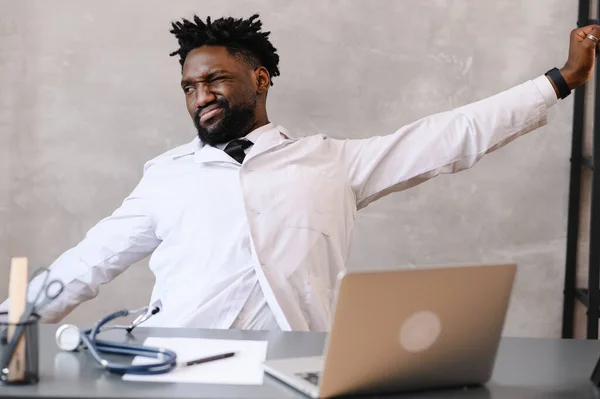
{"points": [[71, 338]]}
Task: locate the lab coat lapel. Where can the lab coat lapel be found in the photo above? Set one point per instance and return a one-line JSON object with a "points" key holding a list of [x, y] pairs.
{"points": [[267, 141]]}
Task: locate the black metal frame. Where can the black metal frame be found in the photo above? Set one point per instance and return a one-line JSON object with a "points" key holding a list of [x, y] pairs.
{"points": [[590, 296]]}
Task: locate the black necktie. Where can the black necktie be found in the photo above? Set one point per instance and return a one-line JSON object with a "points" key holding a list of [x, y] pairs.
{"points": [[235, 149]]}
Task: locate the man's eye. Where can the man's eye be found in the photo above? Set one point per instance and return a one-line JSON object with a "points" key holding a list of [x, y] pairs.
{"points": [[188, 89]]}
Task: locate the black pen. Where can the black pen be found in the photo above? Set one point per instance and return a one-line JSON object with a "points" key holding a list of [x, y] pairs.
{"points": [[208, 359]]}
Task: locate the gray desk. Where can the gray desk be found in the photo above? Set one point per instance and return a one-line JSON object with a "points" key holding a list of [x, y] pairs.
{"points": [[525, 368]]}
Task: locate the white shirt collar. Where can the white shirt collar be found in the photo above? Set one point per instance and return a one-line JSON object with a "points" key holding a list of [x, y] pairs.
{"points": [[197, 145], [253, 135]]}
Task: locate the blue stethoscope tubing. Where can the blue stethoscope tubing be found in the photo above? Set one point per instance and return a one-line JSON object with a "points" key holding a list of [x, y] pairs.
{"points": [[167, 359]]}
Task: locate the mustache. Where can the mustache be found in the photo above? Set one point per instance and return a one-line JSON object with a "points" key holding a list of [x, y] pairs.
{"points": [[222, 103]]}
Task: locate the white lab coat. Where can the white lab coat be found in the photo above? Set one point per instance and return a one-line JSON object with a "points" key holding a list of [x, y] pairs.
{"points": [[300, 197]]}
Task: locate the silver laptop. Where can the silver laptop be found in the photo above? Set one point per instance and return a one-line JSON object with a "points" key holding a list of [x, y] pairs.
{"points": [[407, 330]]}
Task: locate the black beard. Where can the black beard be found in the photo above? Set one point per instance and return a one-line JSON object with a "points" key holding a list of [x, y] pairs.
{"points": [[235, 123]]}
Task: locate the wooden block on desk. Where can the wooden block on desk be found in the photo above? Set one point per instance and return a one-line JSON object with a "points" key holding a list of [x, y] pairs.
{"points": [[17, 293]]}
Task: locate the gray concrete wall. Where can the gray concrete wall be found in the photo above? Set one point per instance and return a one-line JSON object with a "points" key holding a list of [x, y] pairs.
{"points": [[88, 94]]}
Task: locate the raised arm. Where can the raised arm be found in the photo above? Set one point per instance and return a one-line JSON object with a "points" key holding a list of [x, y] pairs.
{"points": [[443, 143], [455, 140]]}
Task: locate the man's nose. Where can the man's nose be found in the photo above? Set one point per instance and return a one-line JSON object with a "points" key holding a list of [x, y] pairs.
{"points": [[203, 97]]}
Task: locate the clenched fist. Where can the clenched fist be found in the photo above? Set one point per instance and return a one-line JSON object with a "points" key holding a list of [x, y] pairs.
{"points": [[583, 50]]}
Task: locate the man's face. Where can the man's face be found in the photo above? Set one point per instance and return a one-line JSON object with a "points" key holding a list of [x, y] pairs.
{"points": [[221, 94]]}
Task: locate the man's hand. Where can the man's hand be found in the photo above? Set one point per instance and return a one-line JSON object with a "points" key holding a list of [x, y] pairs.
{"points": [[582, 54]]}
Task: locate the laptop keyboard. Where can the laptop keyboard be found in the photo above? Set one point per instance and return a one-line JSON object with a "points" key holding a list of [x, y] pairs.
{"points": [[313, 378]]}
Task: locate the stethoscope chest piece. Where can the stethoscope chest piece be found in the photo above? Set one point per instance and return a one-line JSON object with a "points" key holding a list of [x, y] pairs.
{"points": [[68, 337]]}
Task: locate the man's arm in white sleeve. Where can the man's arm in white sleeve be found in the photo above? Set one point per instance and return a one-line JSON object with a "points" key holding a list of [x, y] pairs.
{"points": [[108, 248], [443, 143]]}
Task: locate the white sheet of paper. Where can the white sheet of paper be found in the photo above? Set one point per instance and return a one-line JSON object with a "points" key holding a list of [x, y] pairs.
{"points": [[244, 368]]}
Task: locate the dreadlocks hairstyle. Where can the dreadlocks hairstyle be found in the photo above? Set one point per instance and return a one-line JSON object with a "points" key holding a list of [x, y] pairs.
{"points": [[242, 37]]}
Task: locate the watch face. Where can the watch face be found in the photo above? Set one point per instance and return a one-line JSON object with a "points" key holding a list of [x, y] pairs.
{"points": [[68, 337]]}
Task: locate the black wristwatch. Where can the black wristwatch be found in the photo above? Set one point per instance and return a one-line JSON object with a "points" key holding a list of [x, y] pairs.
{"points": [[558, 80]]}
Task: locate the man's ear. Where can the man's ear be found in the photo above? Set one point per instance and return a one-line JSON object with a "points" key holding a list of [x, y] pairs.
{"points": [[263, 80]]}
